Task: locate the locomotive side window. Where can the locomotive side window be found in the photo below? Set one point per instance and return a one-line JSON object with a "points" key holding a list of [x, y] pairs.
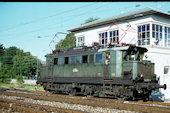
{"points": [[66, 60], [60, 60], [55, 61], [72, 60], [85, 58], [78, 59], [98, 58], [91, 58]]}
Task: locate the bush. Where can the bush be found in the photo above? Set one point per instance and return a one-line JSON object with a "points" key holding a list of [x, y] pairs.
{"points": [[19, 79], [4, 78], [5, 75]]}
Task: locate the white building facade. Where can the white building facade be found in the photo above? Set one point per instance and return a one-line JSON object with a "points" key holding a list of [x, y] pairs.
{"points": [[145, 27]]}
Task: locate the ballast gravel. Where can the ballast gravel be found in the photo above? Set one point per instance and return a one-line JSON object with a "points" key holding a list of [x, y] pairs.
{"points": [[84, 108]]}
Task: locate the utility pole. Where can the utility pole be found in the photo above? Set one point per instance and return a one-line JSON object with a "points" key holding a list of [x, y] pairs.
{"points": [[37, 68]]}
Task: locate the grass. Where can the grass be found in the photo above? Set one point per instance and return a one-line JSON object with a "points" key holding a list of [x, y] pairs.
{"points": [[21, 86]]}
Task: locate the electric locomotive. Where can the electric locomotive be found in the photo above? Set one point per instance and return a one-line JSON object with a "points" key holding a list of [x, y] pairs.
{"points": [[114, 72]]}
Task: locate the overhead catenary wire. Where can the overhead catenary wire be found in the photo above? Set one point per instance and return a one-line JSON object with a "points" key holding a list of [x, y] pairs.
{"points": [[124, 30], [82, 14], [126, 7], [31, 35], [55, 36], [48, 28], [62, 23], [68, 19], [43, 18]]}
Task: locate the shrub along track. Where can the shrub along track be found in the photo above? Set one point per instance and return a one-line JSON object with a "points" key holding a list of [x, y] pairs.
{"points": [[137, 106]]}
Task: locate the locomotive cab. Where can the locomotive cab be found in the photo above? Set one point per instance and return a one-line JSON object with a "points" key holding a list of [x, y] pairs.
{"points": [[126, 62]]}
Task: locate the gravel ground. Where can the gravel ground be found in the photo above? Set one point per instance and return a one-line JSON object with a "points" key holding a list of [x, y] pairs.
{"points": [[84, 108], [2, 110]]}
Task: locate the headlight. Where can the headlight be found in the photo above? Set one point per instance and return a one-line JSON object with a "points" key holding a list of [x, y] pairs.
{"points": [[141, 75]]}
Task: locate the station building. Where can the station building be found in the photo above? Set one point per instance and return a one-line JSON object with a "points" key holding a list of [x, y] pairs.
{"points": [[145, 27]]}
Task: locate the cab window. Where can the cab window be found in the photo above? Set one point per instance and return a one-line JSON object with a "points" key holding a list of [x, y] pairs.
{"points": [[107, 58]]}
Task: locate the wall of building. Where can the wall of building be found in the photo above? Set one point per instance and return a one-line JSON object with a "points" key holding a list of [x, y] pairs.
{"points": [[127, 30], [26, 81], [161, 57]]}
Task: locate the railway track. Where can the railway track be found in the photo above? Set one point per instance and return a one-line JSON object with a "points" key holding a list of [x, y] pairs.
{"points": [[32, 108], [80, 103]]}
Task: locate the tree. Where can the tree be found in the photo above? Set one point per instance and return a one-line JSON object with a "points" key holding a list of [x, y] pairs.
{"points": [[15, 63], [2, 50], [4, 73], [6, 63], [9, 54], [68, 42], [25, 64], [91, 19]]}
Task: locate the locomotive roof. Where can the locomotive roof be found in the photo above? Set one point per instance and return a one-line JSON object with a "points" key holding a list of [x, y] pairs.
{"points": [[125, 48], [74, 51], [88, 50]]}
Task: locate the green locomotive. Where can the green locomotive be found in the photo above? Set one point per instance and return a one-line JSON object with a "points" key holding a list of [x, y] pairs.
{"points": [[115, 72]]}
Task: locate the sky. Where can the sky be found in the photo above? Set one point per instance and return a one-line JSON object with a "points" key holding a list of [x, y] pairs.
{"points": [[31, 26]]}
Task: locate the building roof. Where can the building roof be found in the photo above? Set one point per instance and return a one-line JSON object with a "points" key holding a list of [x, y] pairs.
{"points": [[120, 17]]}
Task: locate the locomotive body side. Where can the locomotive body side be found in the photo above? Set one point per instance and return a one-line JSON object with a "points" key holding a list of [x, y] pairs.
{"points": [[84, 71]]}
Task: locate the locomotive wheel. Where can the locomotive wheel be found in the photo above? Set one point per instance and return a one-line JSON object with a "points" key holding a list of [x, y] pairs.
{"points": [[145, 97], [73, 92]]}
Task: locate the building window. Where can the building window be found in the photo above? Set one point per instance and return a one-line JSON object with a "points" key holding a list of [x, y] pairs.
{"points": [[157, 32], [98, 58], [166, 69], [114, 36], [167, 36], [80, 41], [144, 34], [103, 39]]}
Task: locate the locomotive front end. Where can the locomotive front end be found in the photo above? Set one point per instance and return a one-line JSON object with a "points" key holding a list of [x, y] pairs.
{"points": [[145, 81]]}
